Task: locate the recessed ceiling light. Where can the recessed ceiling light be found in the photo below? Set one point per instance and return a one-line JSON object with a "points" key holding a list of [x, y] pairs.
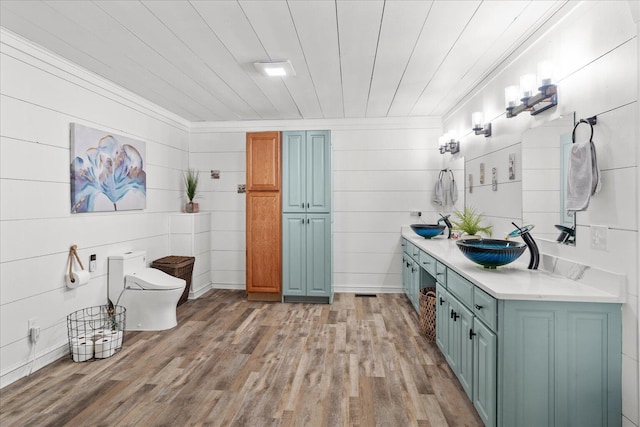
{"points": [[275, 68]]}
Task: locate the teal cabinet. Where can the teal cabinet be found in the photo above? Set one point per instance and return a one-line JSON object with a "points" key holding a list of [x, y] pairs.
{"points": [[307, 220], [414, 277], [560, 364], [457, 339], [532, 363], [484, 372], [306, 171], [442, 320]]}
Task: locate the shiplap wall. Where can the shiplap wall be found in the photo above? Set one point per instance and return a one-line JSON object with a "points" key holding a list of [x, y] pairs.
{"points": [[597, 74], [382, 170], [40, 95]]}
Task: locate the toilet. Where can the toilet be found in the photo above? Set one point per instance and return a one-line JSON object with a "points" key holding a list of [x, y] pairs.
{"points": [[149, 295]]}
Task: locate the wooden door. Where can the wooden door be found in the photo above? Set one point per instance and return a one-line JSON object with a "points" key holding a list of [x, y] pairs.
{"points": [[264, 253], [263, 161], [264, 216]]}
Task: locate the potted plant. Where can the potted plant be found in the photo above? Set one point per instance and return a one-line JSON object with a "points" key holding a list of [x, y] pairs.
{"points": [[468, 221], [191, 187]]}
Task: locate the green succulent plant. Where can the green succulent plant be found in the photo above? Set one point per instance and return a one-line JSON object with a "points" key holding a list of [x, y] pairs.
{"points": [[191, 183], [468, 221]]}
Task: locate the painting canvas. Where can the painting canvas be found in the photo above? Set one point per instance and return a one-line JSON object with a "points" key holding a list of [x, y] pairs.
{"points": [[107, 171]]}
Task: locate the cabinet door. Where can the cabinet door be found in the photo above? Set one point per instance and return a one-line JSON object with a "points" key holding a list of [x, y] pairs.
{"points": [[442, 319], [318, 255], [294, 161], [453, 334], [293, 253], [318, 176], [264, 248], [415, 285], [465, 367], [484, 374], [263, 161]]}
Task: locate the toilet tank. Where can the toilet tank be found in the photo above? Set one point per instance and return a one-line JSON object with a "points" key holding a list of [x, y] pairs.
{"points": [[121, 265]]}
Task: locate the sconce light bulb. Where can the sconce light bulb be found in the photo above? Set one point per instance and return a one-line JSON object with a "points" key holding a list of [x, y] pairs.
{"points": [[477, 120], [511, 96], [545, 73], [528, 85]]}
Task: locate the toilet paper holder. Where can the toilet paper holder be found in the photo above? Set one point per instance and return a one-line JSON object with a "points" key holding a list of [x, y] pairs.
{"points": [[72, 279]]}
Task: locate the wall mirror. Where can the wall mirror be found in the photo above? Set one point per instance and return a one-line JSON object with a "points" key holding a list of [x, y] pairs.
{"points": [[545, 154]]}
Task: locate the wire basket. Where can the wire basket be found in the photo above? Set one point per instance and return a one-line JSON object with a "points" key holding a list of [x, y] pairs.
{"points": [[428, 313], [96, 332]]}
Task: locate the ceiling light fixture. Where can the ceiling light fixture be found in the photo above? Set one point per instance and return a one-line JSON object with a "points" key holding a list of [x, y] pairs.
{"points": [[275, 68]]}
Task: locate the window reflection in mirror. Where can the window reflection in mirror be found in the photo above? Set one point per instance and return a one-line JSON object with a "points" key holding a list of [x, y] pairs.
{"points": [[545, 155]]}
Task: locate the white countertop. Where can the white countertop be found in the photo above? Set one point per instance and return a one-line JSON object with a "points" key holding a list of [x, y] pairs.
{"points": [[515, 281]]}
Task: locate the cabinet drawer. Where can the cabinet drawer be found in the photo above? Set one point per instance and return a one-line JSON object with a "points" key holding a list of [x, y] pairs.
{"points": [[403, 244], [441, 273], [428, 263], [415, 253], [485, 307], [460, 287]]}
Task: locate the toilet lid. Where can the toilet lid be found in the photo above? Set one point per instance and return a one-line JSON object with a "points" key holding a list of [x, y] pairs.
{"points": [[152, 278]]}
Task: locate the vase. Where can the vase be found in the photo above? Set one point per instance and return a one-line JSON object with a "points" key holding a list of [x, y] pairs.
{"points": [[192, 207]]}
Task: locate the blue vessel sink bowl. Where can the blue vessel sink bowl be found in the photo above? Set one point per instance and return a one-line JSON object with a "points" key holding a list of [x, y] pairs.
{"points": [[428, 230], [491, 253]]}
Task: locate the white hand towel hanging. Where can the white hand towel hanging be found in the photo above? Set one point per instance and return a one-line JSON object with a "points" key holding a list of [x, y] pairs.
{"points": [[453, 189], [439, 195], [583, 176]]}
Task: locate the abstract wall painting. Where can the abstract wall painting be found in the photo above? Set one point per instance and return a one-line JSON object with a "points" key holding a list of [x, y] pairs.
{"points": [[107, 171]]}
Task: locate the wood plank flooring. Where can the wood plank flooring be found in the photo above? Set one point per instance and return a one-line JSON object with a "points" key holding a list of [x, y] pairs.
{"points": [[230, 362]]}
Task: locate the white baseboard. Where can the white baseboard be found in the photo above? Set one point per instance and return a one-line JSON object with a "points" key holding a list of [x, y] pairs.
{"points": [[49, 356], [351, 289], [237, 287], [197, 293]]}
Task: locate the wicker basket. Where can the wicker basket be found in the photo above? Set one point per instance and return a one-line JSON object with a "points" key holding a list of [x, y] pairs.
{"points": [[180, 267], [428, 313]]}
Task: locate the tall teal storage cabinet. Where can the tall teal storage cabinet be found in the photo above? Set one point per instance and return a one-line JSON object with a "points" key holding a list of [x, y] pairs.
{"points": [[307, 220]]}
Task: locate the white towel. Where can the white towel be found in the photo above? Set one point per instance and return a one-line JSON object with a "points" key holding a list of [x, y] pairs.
{"points": [[439, 194], [453, 189], [583, 177]]}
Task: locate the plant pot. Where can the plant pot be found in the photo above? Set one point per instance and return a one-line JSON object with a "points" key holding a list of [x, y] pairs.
{"points": [[192, 207]]}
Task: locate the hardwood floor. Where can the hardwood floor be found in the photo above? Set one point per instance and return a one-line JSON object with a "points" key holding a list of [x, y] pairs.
{"points": [[357, 362]]}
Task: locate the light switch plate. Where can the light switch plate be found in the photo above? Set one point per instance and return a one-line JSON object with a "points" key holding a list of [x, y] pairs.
{"points": [[599, 237]]}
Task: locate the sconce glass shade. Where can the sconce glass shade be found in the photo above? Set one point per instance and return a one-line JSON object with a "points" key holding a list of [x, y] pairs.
{"points": [[511, 96], [545, 73], [442, 141], [452, 135], [528, 86], [477, 120]]}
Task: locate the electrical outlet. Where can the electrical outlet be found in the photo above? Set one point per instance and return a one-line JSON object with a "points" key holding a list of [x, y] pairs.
{"points": [[599, 237], [34, 330]]}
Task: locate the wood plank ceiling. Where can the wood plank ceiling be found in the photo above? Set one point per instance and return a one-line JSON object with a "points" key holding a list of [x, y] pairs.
{"points": [[367, 58]]}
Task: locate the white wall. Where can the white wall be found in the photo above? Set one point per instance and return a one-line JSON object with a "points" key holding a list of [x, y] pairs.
{"points": [[41, 95], [595, 49], [382, 171]]}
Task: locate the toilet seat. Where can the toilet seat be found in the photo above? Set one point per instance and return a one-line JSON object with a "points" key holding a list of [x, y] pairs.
{"points": [[152, 279]]}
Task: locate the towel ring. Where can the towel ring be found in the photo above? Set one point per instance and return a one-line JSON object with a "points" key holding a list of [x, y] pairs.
{"points": [[590, 121]]}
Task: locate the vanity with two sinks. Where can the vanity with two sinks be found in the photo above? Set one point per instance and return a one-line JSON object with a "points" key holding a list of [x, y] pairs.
{"points": [[529, 347]]}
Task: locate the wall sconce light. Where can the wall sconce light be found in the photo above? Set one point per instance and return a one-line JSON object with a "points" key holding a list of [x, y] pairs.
{"points": [[536, 103], [449, 142], [478, 124]]}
